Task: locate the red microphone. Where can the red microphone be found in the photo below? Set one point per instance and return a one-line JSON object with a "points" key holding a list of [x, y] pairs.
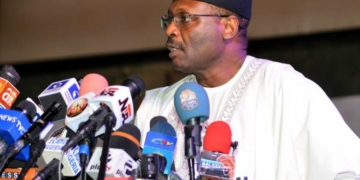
{"points": [[215, 161], [93, 83], [218, 137]]}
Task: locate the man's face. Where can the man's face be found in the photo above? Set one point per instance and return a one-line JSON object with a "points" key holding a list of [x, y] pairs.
{"points": [[196, 46]]}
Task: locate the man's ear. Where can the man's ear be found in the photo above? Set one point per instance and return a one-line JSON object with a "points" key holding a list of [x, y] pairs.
{"points": [[231, 27]]}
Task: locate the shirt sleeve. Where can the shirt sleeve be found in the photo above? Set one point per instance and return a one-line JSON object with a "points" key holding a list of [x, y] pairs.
{"points": [[310, 130]]}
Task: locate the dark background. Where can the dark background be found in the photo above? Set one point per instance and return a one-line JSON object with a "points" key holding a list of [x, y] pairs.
{"points": [[332, 60]]}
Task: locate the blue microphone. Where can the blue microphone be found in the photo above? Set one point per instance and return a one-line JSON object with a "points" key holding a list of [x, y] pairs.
{"points": [[192, 106], [14, 123], [161, 139]]}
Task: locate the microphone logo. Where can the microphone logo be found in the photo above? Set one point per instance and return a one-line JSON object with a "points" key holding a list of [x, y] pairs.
{"points": [[74, 91], [188, 100], [228, 164], [162, 142], [125, 109], [56, 85], [77, 107], [108, 91]]}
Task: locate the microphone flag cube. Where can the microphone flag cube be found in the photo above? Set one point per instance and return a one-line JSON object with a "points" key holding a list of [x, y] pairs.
{"points": [[217, 165], [161, 144]]}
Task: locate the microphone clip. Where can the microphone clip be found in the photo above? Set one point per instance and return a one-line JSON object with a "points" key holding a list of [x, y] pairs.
{"points": [[234, 145]]}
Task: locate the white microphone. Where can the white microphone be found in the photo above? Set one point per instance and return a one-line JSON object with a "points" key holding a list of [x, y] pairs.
{"points": [[39, 110], [119, 164], [125, 144], [63, 91], [119, 100], [78, 111], [70, 161]]}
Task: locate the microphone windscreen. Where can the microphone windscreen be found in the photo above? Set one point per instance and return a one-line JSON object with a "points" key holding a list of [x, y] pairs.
{"points": [[164, 128], [157, 119], [9, 73], [218, 137], [191, 101], [136, 86], [28, 108], [127, 137], [93, 83]]}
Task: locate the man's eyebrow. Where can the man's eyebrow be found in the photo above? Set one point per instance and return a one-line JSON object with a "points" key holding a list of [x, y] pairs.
{"points": [[178, 11]]}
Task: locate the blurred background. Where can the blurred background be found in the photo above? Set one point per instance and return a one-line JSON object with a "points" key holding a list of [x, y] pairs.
{"points": [[48, 41]]}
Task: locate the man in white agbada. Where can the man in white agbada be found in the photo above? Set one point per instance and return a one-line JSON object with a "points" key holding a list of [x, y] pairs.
{"points": [[286, 126]]}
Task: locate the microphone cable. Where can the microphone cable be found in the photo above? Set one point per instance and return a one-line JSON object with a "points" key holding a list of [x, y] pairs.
{"points": [[110, 121], [60, 163]]}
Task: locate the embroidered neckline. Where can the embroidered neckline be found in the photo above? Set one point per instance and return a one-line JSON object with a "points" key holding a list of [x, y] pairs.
{"points": [[227, 112]]}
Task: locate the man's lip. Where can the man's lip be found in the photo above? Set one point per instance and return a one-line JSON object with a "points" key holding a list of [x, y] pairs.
{"points": [[172, 54], [171, 47]]}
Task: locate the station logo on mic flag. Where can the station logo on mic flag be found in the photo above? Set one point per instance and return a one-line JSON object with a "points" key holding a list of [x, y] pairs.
{"points": [[77, 107], [13, 125], [161, 144], [188, 100], [74, 91], [8, 94], [57, 85]]}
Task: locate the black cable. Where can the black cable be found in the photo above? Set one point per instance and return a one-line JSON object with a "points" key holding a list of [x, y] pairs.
{"points": [[109, 122], [191, 168], [36, 149], [83, 173], [3, 164]]}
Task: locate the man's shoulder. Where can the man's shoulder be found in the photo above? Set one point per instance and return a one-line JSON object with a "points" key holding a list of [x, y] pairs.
{"points": [[275, 70]]}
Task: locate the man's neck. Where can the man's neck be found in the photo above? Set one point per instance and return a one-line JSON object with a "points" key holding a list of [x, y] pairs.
{"points": [[221, 73]]}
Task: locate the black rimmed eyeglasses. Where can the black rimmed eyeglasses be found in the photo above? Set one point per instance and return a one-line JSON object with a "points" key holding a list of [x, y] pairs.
{"points": [[182, 19]]}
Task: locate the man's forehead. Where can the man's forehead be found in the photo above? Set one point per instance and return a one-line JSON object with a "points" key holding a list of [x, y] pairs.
{"points": [[184, 6]]}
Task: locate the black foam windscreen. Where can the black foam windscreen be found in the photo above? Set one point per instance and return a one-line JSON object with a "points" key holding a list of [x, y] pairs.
{"points": [[127, 137], [28, 108], [164, 128], [157, 119], [9, 73]]}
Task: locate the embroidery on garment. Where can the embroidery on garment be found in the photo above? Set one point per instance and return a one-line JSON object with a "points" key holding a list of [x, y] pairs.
{"points": [[226, 115]]}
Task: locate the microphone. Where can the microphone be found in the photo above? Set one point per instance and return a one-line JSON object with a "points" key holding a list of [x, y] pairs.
{"points": [[192, 106], [8, 93], [78, 111], [14, 124], [215, 161], [63, 92], [39, 110], [35, 130], [157, 119], [161, 139], [218, 137], [48, 171], [153, 166], [92, 83], [70, 160], [36, 149], [119, 100], [124, 144]]}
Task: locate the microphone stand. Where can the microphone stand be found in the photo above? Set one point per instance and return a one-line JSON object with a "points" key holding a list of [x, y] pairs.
{"points": [[193, 144], [190, 153], [86, 146], [109, 122]]}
